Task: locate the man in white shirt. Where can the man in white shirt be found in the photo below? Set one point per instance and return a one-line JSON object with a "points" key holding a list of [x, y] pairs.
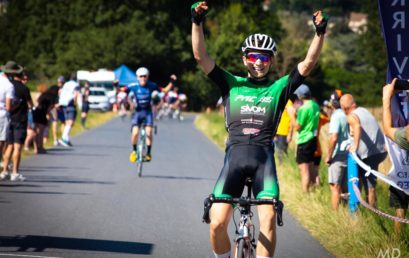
{"points": [[68, 102], [6, 96]]}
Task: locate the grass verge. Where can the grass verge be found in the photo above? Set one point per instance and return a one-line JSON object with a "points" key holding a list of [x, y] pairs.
{"points": [[363, 235]]}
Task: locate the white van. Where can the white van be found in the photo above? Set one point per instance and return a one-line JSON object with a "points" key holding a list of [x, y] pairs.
{"points": [[102, 78]]}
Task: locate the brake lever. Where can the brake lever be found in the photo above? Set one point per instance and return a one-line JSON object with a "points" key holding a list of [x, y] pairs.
{"points": [[207, 205], [279, 207]]}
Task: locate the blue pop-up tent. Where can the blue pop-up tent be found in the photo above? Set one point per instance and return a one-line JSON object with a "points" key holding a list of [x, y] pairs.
{"points": [[125, 75]]}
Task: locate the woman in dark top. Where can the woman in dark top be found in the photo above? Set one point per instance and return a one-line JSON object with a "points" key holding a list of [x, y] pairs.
{"points": [[46, 102]]}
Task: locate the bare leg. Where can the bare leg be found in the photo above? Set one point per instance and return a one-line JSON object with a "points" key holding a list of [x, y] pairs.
{"points": [[220, 215], [31, 134], [372, 196], [267, 237], [305, 176], [7, 156], [335, 195], [134, 136], [16, 157], [148, 135], [400, 213]]}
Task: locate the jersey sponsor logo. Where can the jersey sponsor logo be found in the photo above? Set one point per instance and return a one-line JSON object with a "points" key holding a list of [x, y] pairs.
{"points": [[247, 131], [245, 98], [253, 99], [266, 99], [252, 121], [254, 110]]}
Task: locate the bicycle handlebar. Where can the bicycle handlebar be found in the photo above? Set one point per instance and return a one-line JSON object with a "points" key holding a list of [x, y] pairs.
{"points": [[278, 205]]}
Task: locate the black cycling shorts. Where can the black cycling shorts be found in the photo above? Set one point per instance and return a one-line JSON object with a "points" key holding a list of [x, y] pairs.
{"points": [[242, 161]]}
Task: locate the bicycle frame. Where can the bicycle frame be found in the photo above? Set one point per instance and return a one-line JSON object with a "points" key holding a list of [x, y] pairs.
{"points": [[244, 241], [140, 149]]}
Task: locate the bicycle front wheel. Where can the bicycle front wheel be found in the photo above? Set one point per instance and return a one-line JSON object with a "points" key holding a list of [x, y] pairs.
{"points": [[139, 168], [240, 248]]}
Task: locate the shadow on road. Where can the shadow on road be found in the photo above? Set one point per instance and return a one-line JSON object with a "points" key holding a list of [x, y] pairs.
{"points": [[178, 177], [41, 243], [36, 192]]}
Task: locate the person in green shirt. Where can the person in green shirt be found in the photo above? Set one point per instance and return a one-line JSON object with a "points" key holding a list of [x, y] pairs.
{"points": [[305, 122]]}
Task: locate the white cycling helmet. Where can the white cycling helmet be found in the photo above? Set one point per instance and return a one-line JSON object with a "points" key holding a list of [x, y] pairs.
{"points": [[259, 42], [182, 97], [142, 71], [155, 93]]}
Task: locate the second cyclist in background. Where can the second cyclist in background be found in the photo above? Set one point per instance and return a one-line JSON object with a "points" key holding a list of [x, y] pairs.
{"points": [[142, 91]]}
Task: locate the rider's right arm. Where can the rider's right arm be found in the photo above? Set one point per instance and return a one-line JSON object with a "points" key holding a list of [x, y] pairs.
{"points": [[199, 48]]}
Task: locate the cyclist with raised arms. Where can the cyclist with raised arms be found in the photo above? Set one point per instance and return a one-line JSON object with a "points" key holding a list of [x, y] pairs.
{"points": [[142, 91], [253, 107]]}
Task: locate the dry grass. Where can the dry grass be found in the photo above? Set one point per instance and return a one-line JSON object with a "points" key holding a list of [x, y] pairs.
{"points": [[363, 235]]}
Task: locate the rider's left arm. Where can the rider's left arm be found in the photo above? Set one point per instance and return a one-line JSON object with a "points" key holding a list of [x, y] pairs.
{"points": [[171, 83], [306, 66]]}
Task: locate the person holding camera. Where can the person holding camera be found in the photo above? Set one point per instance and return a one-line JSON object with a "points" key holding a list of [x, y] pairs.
{"points": [[399, 135]]}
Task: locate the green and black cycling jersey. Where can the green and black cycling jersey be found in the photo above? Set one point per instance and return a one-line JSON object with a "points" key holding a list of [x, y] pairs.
{"points": [[252, 112], [253, 108]]}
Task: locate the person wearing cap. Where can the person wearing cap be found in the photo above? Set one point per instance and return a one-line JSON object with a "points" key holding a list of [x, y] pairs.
{"points": [[17, 129], [142, 91], [305, 121], [337, 153], [367, 142], [6, 96], [253, 107]]}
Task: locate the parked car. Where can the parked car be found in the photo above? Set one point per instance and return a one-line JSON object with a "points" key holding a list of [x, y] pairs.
{"points": [[102, 78], [98, 99]]}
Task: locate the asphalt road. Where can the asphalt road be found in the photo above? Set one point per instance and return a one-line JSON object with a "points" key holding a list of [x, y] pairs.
{"points": [[87, 201]]}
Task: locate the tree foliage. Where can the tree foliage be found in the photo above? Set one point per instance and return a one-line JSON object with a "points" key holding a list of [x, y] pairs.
{"points": [[58, 37]]}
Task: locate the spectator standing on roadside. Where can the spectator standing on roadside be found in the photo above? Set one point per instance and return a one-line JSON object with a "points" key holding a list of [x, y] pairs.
{"points": [[68, 101], [284, 133], [45, 104], [6, 96], [368, 142], [323, 119], [305, 122], [85, 104], [398, 199], [17, 130], [337, 153]]}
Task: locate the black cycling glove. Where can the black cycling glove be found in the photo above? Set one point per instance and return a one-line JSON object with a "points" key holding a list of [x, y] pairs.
{"points": [[171, 80], [321, 28], [197, 17]]}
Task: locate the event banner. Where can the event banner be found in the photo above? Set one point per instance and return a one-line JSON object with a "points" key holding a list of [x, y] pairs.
{"points": [[394, 16]]}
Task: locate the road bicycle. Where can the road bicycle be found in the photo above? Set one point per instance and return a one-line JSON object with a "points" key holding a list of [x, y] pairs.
{"points": [[141, 149], [245, 243]]}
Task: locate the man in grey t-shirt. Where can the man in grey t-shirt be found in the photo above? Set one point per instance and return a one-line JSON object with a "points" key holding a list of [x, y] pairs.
{"points": [[368, 142]]}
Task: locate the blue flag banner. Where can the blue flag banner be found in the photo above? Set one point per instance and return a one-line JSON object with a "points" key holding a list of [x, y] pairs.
{"points": [[394, 16]]}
